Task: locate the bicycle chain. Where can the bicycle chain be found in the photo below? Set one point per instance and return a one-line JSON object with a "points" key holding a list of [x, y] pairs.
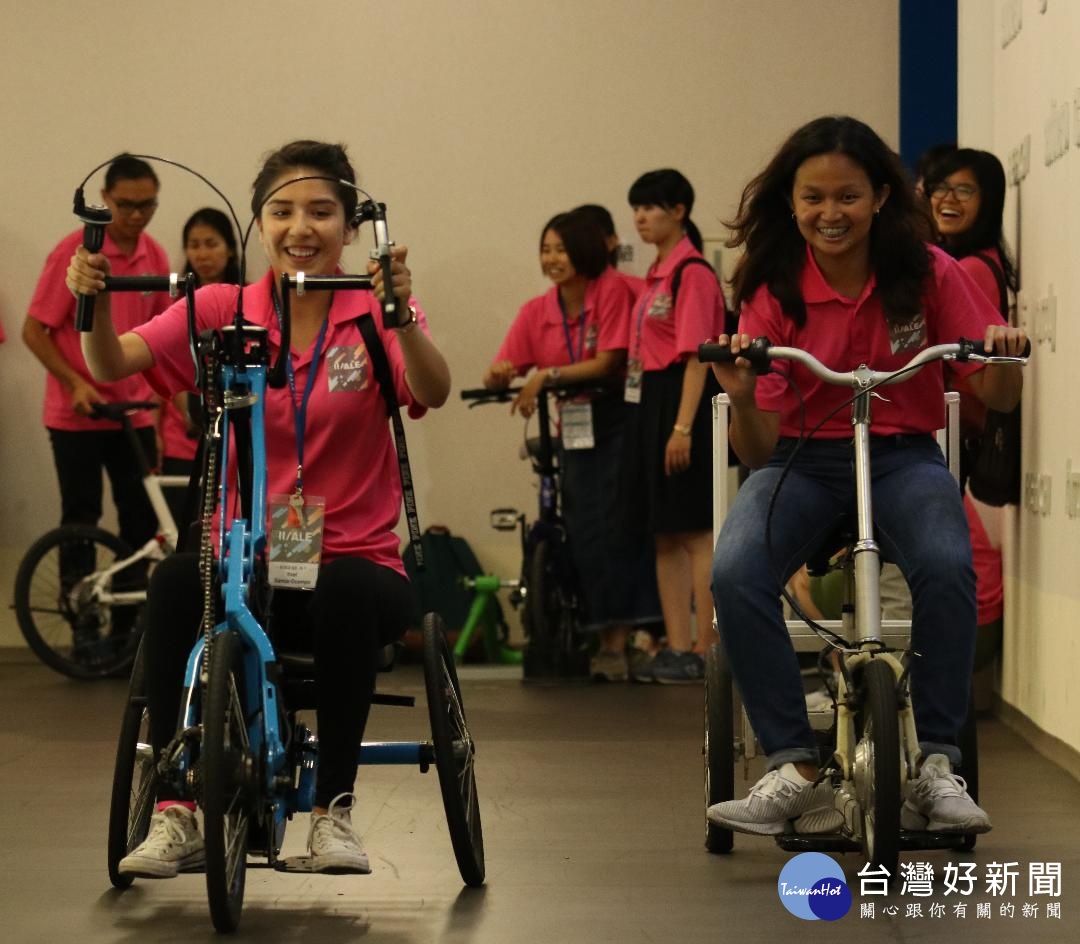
{"points": [[212, 406]]}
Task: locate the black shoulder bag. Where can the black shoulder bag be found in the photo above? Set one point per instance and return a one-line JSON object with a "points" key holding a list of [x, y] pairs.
{"points": [[994, 456]]}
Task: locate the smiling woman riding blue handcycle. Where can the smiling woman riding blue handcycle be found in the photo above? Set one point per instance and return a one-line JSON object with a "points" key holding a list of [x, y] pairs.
{"points": [[330, 580]]}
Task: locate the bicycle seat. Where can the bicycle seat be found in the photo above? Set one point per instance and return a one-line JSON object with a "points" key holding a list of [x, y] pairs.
{"points": [[843, 533], [297, 678], [301, 665]]}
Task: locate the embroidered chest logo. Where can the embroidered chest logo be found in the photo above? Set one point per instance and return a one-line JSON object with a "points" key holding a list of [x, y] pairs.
{"points": [[908, 335], [660, 306], [347, 368], [592, 333]]}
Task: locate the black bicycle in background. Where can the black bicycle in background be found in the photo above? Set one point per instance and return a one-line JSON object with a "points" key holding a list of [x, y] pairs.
{"points": [[548, 591]]}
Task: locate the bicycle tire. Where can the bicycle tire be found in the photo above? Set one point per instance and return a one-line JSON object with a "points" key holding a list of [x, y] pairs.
{"points": [[65, 627], [719, 744], [226, 807], [134, 785], [455, 753], [543, 608], [878, 762]]}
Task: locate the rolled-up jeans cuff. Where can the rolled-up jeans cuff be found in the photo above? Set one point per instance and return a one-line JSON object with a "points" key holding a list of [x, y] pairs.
{"points": [[949, 750], [794, 755]]}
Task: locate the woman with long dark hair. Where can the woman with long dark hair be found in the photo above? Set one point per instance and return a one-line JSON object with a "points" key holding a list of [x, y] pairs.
{"points": [[835, 263]]}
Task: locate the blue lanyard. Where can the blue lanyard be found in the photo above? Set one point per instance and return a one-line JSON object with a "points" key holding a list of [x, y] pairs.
{"points": [[300, 412], [566, 331]]}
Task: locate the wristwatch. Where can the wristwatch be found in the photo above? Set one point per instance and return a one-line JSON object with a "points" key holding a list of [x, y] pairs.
{"points": [[681, 430], [552, 377], [409, 323]]}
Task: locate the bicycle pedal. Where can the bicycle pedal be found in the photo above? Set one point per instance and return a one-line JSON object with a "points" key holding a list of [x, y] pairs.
{"points": [[305, 864]]}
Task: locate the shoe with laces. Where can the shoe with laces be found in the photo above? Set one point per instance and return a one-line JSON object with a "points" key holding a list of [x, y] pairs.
{"points": [[609, 666], [777, 798], [173, 845], [938, 802], [332, 844]]}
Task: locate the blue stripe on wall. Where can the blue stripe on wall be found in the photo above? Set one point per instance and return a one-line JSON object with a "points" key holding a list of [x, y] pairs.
{"points": [[927, 75]]}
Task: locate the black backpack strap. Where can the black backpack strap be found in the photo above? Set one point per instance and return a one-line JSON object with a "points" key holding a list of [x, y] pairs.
{"points": [[731, 321], [381, 366], [999, 277]]}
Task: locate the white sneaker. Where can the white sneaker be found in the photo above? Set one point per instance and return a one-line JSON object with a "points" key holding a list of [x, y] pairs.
{"points": [[173, 845], [333, 845], [778, 797], [937, 801]]}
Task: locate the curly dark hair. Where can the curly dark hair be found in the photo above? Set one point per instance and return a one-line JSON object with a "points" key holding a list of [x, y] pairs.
{"points": [[775, 251]]}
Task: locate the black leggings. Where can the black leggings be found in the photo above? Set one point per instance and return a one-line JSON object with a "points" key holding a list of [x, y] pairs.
{"points": [[356, 609]]}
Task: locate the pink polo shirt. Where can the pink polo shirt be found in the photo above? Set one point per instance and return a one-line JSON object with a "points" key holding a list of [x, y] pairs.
{"points": [[844, 333], [981, 273], [349, 456], [660, 337], [635, 283], [541, 337], [173, 430], [986, 559], [54, 306]]}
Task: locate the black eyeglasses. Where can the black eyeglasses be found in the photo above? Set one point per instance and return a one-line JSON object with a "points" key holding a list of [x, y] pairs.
{"points": [[962, 192], [133, 206]]}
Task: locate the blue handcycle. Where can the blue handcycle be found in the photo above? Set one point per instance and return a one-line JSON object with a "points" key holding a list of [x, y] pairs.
{"points": [[240, 752]]}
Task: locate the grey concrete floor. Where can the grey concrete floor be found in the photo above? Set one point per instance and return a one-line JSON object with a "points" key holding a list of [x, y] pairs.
{"points": [[593, 819]]}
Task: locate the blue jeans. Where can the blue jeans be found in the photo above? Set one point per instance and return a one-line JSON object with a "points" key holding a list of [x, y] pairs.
{"points": [[920, 525]]}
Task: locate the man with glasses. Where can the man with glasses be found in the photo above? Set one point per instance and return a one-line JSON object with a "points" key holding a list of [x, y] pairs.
{"points": [[83, 446]]}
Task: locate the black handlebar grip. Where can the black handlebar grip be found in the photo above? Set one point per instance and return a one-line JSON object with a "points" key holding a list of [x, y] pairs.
{"points": [[95, 218], [976, 347], [757, 354]]}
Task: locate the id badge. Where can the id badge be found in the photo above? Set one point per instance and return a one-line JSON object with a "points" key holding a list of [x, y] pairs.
{"points": [[295, 540], [635, 370], [577, 428]]}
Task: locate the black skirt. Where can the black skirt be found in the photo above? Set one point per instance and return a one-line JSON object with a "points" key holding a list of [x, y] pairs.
{"points": [[669, 504]]}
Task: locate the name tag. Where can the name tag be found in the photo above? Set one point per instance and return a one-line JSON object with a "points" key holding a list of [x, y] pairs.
{"points": [[635, 369], [577, 427], [295, 540]]}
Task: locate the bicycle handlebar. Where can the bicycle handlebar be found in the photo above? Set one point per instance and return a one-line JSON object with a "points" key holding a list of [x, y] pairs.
{"points": [[482, 395], [761, 352], [95, 218], [118, 410]]}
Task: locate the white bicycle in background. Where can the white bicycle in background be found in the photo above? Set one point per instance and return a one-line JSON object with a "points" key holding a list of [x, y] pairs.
{"points": [[80, 589], [870, 748]]}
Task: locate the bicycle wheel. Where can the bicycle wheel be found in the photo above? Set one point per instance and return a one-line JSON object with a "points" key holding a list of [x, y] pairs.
{"points": [[58, 608], [455, 753], [543, 606], [226, 760], [134, 786], [877, 765], [719, 746]]}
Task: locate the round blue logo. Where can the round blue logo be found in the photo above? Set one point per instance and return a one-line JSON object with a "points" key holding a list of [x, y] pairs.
{"points": [[812, 886]]}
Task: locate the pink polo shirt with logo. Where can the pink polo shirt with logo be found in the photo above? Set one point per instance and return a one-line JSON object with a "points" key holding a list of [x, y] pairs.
{"points": [[540, 337], [844, 333], [660, 337], [54, 306], [349, 456]]}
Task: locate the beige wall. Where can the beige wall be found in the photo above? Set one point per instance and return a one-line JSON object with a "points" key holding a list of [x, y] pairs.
{"points": [[473, 120], [1008, 91]]}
